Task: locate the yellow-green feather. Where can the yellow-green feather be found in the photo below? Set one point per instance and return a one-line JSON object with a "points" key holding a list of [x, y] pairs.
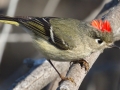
{"points": [[10, 22]]}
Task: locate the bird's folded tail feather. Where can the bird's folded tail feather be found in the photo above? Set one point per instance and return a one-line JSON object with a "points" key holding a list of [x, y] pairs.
{"points": [[8, 20]]}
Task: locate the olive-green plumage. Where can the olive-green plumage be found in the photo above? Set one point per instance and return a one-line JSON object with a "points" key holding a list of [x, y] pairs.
{"points": [[62, 39]]}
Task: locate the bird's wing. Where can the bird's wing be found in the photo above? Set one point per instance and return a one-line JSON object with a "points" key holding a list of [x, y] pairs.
{"points": [[57, 32]]}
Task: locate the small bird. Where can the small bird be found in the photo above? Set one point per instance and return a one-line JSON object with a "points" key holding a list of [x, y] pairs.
{"points": [[65, 39]]}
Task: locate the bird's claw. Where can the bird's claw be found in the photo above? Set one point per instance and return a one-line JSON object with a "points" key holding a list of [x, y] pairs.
{"points": [[67, 78], [83, 63]]}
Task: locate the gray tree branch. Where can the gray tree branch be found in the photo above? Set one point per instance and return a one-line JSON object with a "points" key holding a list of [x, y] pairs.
{"points": [[41, 76]]}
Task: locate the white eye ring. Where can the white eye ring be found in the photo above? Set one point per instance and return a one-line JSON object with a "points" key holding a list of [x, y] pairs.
{"points": [[99, 41]]}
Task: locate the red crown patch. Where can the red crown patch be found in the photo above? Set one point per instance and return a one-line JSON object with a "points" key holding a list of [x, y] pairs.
{"points": [[103, 26]]}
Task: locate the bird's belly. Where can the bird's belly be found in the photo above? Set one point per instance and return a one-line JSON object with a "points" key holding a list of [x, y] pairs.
{"points": [[51, 52]]}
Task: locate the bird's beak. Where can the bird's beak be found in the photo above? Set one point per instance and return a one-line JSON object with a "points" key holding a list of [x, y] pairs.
{"points": [[114, 46]]}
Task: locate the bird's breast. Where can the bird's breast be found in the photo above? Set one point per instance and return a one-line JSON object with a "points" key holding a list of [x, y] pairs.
{"points": [[54, 53]]}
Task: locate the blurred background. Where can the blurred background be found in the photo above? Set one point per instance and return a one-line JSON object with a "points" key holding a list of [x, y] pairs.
{"points": [[16, 45]]}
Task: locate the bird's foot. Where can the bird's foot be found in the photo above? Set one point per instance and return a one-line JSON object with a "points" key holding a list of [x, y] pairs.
{"points": [[83, 63], [66, 78]]}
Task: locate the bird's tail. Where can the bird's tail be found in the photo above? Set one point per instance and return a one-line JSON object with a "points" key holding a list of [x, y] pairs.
{"points": [[8, 20]]}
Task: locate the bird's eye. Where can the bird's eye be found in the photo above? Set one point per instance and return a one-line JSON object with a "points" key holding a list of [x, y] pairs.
{"points": [[99, 41]]}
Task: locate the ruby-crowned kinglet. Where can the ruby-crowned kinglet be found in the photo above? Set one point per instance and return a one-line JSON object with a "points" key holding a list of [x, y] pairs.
{"points": [[65, 39]]}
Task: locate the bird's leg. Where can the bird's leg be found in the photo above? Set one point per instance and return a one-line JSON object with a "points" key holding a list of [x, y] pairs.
{"points": [[83, 63], [62, 77]]}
